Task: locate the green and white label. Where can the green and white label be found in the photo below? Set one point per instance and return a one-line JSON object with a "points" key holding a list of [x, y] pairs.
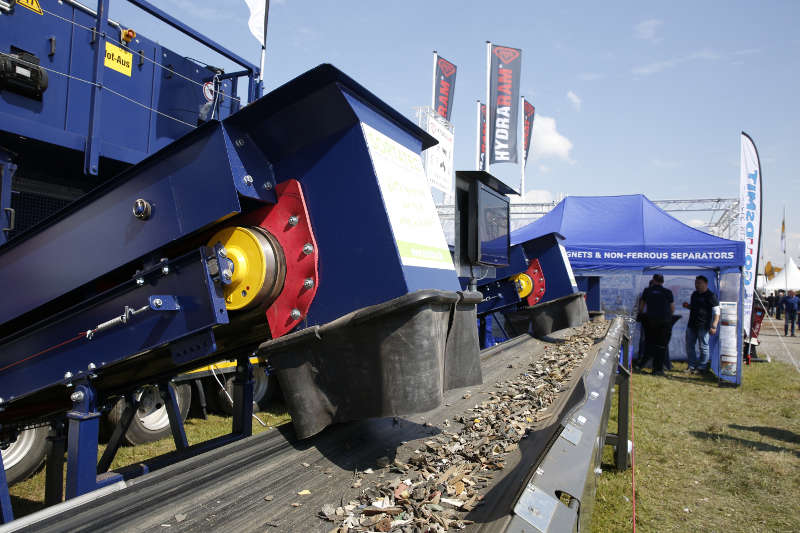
{"points": [[407, 198]]}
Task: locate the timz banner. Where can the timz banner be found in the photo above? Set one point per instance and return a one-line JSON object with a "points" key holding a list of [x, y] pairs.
{"points": [[528, 111], [750, 220], [444, 90], [504, 74]]}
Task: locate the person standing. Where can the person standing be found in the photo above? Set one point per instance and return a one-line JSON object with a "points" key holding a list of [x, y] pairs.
{"points": [[703, 320], [657, 304], [778, 304], [771, 304], [789, 304]]}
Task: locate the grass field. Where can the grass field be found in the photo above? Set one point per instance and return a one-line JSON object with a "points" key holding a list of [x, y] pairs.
{"points": [[28, 496], [709, 458]]}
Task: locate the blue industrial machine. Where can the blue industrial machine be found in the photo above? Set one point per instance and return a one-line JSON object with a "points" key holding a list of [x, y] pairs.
{"points": [[527, 287], [154, 224]]}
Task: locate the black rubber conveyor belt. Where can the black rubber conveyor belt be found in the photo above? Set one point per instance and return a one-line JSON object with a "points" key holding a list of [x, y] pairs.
{"points": [[225, 490]]}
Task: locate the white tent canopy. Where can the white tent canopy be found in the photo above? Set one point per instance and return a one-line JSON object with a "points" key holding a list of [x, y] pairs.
{"points": [[788, 278]]}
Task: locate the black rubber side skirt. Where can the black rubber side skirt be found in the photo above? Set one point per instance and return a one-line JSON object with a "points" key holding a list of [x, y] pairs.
{"points": [[542, 319], [394, 358]]}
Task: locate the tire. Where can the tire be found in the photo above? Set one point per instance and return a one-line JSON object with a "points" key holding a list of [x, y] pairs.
{"points": [[151, 422], [263, 390], [25, 456]]}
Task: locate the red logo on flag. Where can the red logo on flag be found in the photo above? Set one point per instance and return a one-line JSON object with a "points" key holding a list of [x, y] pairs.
{"points": [[506, 55], [447, 67]]}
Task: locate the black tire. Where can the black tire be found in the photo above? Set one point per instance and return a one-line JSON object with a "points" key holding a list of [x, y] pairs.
{"points": [[151, 422], [263, 390], [25, 456]]}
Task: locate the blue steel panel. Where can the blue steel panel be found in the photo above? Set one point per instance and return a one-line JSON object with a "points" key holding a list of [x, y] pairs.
{"points": [[189, 186], [557, 281], [7, 169], [201, 304]]}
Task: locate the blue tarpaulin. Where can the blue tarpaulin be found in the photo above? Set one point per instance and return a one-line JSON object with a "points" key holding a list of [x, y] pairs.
{"points": [[629, 231], [626, 239]]}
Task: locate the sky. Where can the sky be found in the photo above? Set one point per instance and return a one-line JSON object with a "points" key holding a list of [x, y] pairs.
{"points": [[631, 97]]}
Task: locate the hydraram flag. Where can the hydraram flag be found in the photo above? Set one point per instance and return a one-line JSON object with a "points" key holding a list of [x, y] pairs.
{"points": [[528, 111], [258, 19], [504, 74], [750, 181], [444, 89]]}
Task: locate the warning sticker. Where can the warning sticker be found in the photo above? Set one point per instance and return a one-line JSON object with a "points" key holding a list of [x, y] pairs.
{"points": [[208, 91], [33, 5], [118, 59]]}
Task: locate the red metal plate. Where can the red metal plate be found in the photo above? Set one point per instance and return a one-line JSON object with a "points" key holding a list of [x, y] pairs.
{"points": [[536, 274]]}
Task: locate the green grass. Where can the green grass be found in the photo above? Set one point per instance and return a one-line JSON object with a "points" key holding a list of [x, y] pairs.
{"points": [[28, 496], [709, 458]]}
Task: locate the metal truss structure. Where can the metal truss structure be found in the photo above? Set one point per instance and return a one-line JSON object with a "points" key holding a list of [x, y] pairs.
{"points": [[721, 214]]}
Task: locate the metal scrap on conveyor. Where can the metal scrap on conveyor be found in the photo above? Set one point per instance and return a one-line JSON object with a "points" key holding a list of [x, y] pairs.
{"points": [[442, 480]]}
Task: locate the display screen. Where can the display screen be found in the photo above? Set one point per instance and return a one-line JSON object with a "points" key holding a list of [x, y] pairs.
{"points": [[493, 227]]}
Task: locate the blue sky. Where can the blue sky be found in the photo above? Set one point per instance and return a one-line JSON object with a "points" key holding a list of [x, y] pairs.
{"points": [[631, 97]]}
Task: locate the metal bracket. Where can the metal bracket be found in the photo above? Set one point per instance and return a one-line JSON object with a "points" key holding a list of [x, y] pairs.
{"points": [[164, 302], [536, 507]]}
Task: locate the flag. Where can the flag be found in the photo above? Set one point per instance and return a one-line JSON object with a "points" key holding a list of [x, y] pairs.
{"points": [[259, 10], [527, 112], [750, 184], [504, 74], [783, 231], [444, 89]]}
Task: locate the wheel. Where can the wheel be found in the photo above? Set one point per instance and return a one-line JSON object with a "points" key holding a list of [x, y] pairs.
{"points": [[263, 389], [26, 455], [151, 421]]}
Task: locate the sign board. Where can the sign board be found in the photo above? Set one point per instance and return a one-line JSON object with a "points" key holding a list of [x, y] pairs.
{"points": [[439, 158]]}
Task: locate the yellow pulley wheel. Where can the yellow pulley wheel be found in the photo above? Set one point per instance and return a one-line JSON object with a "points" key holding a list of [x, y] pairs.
{"points": [[258, 266], [524, 284]]}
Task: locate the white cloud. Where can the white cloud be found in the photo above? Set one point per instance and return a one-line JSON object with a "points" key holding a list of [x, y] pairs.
{"points": [[548, 142], [533, 196], [590, 76], [658, 66], [575, 100], [646, 30]]}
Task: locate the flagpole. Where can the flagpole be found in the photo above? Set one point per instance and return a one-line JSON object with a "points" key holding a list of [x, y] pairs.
{"points": [[488, 163], [478, 137], [785, 258], [263, 51], [522, 149], [433, 85]]}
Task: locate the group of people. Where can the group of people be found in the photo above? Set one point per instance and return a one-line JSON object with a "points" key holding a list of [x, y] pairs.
{"points": [[656, 313], [786, 305]]}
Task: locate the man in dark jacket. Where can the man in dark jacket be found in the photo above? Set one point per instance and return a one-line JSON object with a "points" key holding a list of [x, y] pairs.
{"points": [[657, 305], [703, 321], [789, 305]]}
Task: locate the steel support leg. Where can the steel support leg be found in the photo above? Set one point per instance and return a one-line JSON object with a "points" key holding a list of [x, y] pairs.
{"points": [[131, 406], [243, 398], [174, 414], [54, 469], [6, 513], [7, 170], [84, 429], [623, 407]]}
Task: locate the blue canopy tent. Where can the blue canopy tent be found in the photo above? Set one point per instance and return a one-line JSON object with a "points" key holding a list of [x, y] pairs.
{"points": [[625, 239]]}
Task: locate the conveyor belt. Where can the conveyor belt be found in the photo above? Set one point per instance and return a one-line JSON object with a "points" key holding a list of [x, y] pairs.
{"points": [[226, 489]]}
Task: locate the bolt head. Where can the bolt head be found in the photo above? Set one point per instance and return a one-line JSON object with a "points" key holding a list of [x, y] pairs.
{"points": [[165, 270], [157, 302], [91, 366], [308, 249], [239, 142], [67, 375], [295, 314], [267, 185], [227, 275], [139, 282], [248, 179], [77, 396], [293, 220], [222, 252], [308, 283], [2, 401]]}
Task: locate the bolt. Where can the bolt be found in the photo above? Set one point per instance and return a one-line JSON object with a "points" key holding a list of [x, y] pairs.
{"points": [[248, 179], [157, 302], [239, 142], [308, 248], [267, 185], [139, 282], [91, 366], [293, 220], [2, 401], [308, 283], [296, 314], [77, 396], [67, 375], [165, 270], [227, 274], [222, 252]]}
